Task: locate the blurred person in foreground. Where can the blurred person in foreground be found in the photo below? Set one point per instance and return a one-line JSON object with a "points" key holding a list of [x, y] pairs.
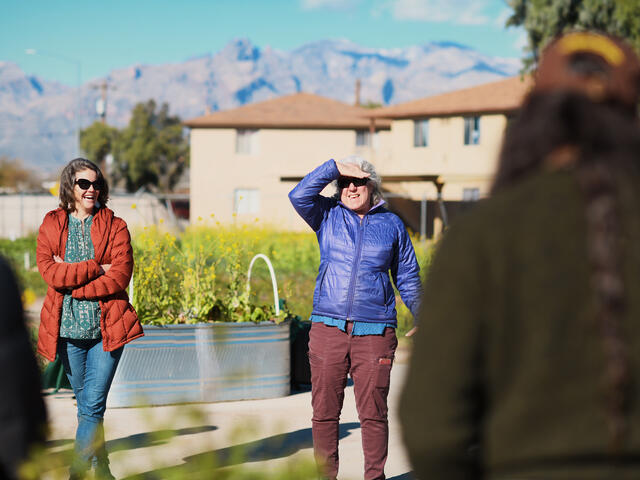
{"points": [[527, 362], [22, 411], [84, 255], [354, 314]]}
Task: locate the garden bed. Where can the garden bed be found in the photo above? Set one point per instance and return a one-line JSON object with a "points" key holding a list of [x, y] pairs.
{"points": [[206, 362]]}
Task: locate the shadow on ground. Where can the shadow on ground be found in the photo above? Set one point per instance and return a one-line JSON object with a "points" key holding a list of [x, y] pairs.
{"points": [[151, 439], [269, 448], [139, 440]]}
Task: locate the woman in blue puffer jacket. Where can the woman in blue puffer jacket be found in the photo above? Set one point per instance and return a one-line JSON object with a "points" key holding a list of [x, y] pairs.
{"points": [[354, 314]]}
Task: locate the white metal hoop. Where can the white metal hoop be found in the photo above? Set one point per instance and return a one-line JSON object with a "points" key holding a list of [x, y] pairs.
{"points": [[276, 300]]}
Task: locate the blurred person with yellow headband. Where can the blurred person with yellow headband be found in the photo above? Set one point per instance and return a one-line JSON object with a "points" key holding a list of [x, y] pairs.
{"points": [[527, 362]]}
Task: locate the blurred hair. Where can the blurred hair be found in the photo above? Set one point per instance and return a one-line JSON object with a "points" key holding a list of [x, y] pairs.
{"points": [[68, 179], [365, 166], [605, 140]]}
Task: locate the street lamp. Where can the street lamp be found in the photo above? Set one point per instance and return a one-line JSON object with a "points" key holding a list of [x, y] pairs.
{"points": [[78, 64]]}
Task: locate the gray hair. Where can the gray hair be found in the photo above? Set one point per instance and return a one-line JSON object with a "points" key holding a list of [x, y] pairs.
{"points": [[365, 166]]}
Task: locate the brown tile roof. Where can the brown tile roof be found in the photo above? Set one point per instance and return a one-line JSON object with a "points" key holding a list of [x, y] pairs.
{"points": [[300, 110], [501, 96]]}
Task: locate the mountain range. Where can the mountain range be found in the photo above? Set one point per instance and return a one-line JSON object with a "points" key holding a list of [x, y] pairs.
{"points": [[39, 119]]}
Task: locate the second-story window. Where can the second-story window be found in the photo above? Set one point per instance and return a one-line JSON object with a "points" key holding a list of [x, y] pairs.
{"points": [[363, 138], [421, 132], [472, 130], [247, 141]]}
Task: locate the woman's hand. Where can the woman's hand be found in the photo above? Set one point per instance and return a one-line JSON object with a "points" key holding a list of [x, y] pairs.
{"points": [[57, 259], [105, 267], [351, 170]]}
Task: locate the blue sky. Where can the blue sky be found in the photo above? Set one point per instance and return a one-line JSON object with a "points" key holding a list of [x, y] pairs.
{"points": [[106, 35]]}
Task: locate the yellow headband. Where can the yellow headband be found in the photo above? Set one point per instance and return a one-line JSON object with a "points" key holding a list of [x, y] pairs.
{"points": [[597, 44]]}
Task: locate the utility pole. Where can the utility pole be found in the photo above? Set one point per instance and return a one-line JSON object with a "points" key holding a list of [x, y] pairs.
{"points": [[101, 104]]}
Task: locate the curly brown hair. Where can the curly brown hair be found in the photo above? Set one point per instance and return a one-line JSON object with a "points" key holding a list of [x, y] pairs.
{"points": [[68, 179]]}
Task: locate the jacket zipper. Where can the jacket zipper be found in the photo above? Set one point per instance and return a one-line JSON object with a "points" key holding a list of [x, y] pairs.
{"points": [[356, 265]]}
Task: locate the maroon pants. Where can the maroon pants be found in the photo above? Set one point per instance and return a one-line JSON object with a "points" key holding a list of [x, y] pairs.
{"points": [[333, 354]]}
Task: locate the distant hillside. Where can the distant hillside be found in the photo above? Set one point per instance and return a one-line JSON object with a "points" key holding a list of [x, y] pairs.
{"points": [[37, 118]]}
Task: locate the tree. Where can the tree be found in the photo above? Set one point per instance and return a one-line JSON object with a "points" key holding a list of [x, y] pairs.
{"points": [[544, 19], [151, 151], [15, 176], [97, 142]]}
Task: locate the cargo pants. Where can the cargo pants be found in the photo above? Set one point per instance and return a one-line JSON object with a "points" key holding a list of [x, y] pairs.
{"points": [[333, 354]]}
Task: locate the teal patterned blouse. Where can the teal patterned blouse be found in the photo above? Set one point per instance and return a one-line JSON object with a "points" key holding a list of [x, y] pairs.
{"points": [[80, 318]]}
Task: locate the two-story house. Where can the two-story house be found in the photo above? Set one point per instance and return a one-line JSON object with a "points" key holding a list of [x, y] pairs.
{"points": [[239, 156]]}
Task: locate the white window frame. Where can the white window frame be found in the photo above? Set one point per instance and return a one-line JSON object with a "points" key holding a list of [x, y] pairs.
{"points": [[471, 134], [247, 141], [421, 133], [246, 201]]}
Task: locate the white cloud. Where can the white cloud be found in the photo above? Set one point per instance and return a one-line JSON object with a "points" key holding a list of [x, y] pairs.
{"points": [[465, 12], [522, 40], [328, 4]]}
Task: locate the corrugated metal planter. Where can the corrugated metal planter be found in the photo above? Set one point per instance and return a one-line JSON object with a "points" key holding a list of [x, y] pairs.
{"points": [[203, 363]]}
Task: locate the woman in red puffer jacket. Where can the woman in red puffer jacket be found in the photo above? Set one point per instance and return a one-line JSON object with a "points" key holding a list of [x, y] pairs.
{"points": [[84, 254]]}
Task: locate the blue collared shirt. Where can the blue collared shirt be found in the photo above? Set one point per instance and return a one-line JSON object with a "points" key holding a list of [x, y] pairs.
{"points": [[359, 328]]}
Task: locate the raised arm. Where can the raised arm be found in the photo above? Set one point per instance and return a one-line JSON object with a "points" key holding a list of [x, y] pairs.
{"points": [[306, 198], [117, 277], [61, 275], [405, 272]]}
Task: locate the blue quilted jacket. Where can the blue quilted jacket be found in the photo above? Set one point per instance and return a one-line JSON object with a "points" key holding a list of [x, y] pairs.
{"points": [[356, 255]]}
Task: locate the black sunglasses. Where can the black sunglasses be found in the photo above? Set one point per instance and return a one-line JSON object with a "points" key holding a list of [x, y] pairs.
{"points": [[84, 184], [344, 182]]}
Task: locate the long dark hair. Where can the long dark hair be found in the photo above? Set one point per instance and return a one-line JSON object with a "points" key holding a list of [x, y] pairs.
{"points": [[605, 141], [68, 179]]}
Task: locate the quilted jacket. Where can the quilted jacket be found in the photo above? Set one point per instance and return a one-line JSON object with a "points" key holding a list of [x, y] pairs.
{"points": [[357, 254], [112, 244]]}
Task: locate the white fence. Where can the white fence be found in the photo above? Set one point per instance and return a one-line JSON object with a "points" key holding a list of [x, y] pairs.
{"points": [[22, 214]]}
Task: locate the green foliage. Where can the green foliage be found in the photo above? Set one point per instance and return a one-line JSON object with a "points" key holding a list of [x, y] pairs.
{"points": [[97, 141], [151, 151], [29, 280], [202, 275], [15, 176], [544, 19]]}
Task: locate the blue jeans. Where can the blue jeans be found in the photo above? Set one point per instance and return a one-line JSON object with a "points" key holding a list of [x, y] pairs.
{"points": [[90, 371]]}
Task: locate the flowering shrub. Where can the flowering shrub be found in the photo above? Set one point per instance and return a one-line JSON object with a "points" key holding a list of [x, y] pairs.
{"points": [[202, 275]]}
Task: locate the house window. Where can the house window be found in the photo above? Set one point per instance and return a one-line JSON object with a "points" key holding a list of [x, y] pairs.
{"points": [[246, 141], [471, 130], [246, 200], [363, 138], [470, 194], [421, 133]]}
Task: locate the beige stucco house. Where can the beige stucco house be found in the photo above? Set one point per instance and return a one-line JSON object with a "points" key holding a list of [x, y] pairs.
{"points": [[455, 136], [239, 156], [244, 161]]}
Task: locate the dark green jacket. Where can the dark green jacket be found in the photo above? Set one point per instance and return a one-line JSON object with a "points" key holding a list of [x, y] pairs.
{"points": [[507, 369]]}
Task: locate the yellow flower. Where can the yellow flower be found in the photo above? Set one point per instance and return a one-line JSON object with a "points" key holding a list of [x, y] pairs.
{"points": [[134, 206], [161, 221], [199, 219]]}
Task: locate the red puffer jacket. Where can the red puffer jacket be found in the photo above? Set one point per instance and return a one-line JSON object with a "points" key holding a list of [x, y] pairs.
{"points": [[112, 245]]}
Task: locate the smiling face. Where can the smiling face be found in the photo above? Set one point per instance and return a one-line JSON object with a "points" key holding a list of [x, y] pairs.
{"points": [[357, 199], [85, 200]]}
